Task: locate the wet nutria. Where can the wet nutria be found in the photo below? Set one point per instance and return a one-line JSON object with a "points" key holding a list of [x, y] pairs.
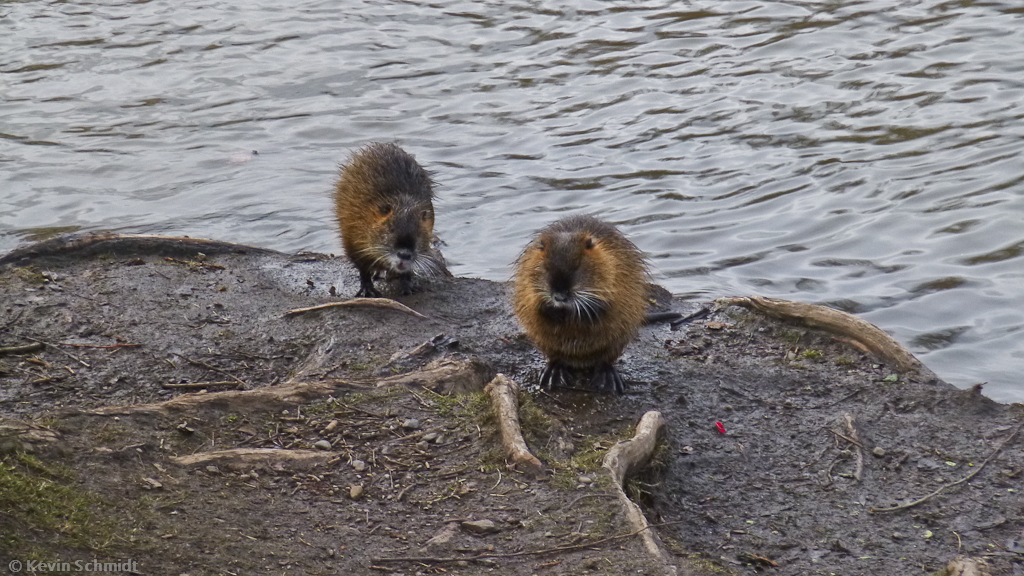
{"points": [[383, 199], [581, 294]]}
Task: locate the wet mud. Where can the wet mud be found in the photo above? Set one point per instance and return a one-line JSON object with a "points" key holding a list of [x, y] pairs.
{"points": [[784, 443]]}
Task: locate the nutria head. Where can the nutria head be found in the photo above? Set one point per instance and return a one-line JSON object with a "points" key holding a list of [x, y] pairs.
{"points": [[572, 267]]}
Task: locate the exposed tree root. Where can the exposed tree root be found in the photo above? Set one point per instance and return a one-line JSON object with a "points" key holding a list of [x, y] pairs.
{"points": [[504, 394], [445, 376], [249, 458], [260, 399], [627, 458], [835, 321]]}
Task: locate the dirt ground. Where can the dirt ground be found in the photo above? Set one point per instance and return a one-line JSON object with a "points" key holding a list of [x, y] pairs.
{"points": [[816, 437]]}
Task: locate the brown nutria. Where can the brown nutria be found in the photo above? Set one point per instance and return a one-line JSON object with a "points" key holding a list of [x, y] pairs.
{"points": [[383, 199], [580, 291]]}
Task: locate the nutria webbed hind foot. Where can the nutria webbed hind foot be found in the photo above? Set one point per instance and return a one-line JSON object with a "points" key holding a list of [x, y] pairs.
{"points": [[580, 292], [555, 375], [606, 378], [384, 203]]}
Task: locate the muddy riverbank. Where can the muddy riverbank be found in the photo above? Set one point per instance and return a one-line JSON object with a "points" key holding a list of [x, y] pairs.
{"points": [[816, 435]]}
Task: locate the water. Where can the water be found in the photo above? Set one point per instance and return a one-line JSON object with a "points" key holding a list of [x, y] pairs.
{"points": [[863, 154]]}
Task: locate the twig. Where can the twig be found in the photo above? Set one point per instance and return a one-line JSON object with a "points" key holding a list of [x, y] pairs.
{"points": [[960, 481], [367, 302], [856, 441], [13, 320], [54, 346], [845, 437], [194, 263], [195, 385], [241, 384], [99, 346], [524, 553], [22, 349]]}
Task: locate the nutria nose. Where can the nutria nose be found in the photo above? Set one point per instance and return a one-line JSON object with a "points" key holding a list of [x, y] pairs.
{"points": [[405, 253], [560, 296]]}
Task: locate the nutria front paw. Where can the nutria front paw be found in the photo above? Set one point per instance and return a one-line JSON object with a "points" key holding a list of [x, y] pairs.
{"points": [[556, 375], [607, 379], [367, 290]]}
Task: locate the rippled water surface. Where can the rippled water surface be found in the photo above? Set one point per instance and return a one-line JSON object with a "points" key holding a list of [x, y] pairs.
{"points": [[863, 154]]}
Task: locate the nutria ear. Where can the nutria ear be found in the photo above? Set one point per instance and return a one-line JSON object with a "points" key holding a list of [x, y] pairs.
{"points": [[589, 244], [385, 209]]}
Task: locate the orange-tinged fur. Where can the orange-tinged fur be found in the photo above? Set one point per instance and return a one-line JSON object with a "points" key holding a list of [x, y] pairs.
{"points": [[593, 258], [384, 206]]}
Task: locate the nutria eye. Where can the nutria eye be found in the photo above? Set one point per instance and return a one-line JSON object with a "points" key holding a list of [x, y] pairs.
{"points": [[589, 243], [385, 210]]}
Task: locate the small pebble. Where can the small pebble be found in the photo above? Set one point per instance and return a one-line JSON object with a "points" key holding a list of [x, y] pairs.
{"points": [[331, 426], [480, 526], [411, 424], [439, 439], [430, 436], [322, 445], [878, 451], [585, 480], [355, 492], [359, 465]]}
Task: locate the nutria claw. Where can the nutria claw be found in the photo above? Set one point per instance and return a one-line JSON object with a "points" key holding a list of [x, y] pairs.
{"points": [[556, 375], [607, 379], [366, 287]]}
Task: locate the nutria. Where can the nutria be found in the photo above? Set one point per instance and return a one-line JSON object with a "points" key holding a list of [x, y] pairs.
{"points": [[383, 199], [580, 291]]}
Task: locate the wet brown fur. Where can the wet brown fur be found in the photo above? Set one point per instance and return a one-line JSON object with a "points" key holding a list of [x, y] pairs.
{"points": [[383, 199], [600, 261]]}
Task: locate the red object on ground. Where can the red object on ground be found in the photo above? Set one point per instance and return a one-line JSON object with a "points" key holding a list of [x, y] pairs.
{"points": [[720, 427]]}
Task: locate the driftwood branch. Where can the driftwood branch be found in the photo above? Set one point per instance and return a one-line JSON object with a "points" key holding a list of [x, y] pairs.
{"points": [[962, 566], [385, 303], [249, 458], [504, 394], [835, 321], [627, 458]]}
